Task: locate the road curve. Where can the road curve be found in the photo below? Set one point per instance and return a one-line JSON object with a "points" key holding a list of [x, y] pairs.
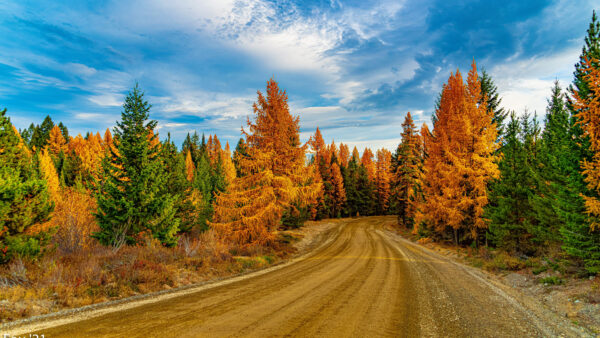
{"points": [[364, 282]]}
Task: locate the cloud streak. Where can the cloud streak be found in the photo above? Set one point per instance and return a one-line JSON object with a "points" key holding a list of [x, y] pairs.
{"points": [[352, 68]]}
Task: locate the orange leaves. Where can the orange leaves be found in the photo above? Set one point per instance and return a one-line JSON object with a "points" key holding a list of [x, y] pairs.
{"points": [[56, 141], [273, 175], [189, 167], [461, 158], [344, 155], [367, 161], [49, 172], [588, 108], [90, 152], [228, 166], [382, 179]]}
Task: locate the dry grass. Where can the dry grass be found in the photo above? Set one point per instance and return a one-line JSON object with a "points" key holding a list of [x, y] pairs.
{"points": [[78, 271]]}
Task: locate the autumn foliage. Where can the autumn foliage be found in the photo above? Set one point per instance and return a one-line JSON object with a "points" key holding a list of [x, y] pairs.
{"points": [[461, 160], [273, 176]]}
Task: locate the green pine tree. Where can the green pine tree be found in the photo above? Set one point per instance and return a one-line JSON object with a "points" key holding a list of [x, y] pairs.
{"points": [[407, 169], [241, 150], [133, 195], [179, 187], [24, 199], [510, 209], [203, 183], [489, 91]]}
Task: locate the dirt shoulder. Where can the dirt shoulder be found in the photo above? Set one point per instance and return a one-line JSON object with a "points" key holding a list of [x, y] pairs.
{"points": [[541, 282], [305, 239]]}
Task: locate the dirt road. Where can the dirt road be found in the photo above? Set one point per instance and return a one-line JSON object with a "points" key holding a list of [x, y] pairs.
{"points": [[363, 282]]}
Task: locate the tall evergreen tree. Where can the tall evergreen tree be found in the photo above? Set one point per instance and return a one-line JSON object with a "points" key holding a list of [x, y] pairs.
{"points": [[187, 202], [489, 95], [580, 240], [558, 202], [510, 210], [24, 198], [133, 196], [407, 169]]}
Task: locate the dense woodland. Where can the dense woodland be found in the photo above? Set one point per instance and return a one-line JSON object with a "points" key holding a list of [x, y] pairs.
{"points": [[481, 177]]}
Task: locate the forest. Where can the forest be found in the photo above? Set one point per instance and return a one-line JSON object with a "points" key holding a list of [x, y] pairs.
{"points": [[481, 177]]}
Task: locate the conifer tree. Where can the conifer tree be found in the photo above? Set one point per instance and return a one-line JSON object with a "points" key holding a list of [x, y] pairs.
{"points": [[338, 192], [580, 239], [42, 134], [511, 210], [344, 155], [189, 166], [24, 198], [368, 163], [228, 166], [239, 152], [490, 96], [461, 160], [273, 177], [188, 201], [558, 201], [382, 180], [56, 141], [107, 141], [355, 154], [353, 198], [407, 168], [580, 244], [48, 172], [64, 130], [133, 195]]}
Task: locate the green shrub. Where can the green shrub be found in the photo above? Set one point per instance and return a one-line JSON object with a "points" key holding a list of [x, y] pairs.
{"points": [[552, 280]]}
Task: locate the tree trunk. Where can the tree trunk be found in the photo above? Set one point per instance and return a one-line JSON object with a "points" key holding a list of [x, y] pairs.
{"points": [[455, 236]]}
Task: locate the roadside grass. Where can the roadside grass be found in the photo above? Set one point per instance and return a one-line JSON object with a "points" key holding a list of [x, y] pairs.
{"points": [[92, 273]]}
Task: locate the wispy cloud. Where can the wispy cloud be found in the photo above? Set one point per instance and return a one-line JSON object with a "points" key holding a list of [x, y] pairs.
{"points": [[353, 69]]}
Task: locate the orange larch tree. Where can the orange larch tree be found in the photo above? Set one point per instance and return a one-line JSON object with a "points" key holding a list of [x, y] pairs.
{"points": [[338, 194], [344, 155], [49, 173], [56, 141], [189, 166], [367, 161], [382, 180], [274, 177], [228, 166], [461, 160], [108, 139]]}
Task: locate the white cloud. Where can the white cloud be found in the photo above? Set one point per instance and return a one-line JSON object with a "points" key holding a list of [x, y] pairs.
{"points": [[80, 69], [526, 84], [90, 116], [107, 100]]}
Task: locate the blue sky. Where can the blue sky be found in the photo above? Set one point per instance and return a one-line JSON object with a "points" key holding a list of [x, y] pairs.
{"points": [[353, 68]]}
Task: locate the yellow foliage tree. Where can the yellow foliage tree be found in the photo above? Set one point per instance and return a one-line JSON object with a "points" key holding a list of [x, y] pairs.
{"points": [[338, 194], [56, 141], [344, 156], [274, 178], [367, 161], [189, 167], [461, 160], [49, 172], [382, 180], [228, 166]]}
